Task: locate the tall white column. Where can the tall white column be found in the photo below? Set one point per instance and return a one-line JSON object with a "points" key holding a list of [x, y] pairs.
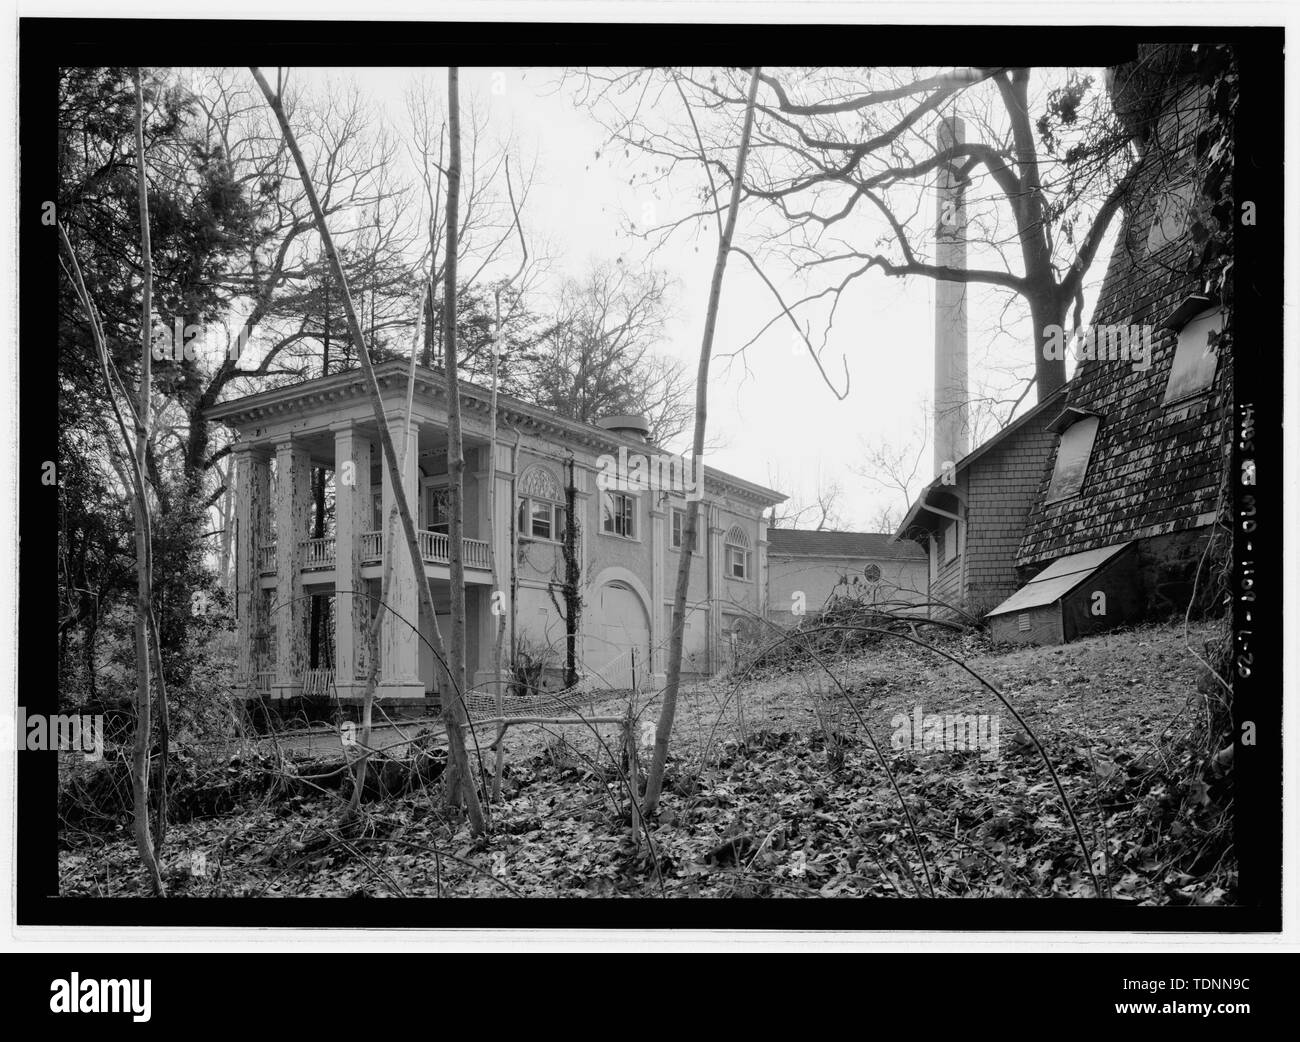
{"points": [[762, 591], [352, 517], [400, 661], [252, 531], [659, 508], [714, 531], [292, 517]]}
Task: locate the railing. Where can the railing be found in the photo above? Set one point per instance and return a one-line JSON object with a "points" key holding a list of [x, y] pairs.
{"points": [[317, 553], [318, 682], [435, 548], [476, 554], [260, 683], [321, 554]]}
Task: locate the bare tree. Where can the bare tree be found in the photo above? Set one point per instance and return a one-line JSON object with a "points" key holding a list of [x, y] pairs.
{"points": [[819, 514], [135, 442], [491, 196], [845, 159], [276, 287], [597, 355], [898, 470], [664, 728]]}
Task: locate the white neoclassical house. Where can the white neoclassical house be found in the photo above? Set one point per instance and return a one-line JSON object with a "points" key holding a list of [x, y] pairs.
{"points": [[550, 477]]}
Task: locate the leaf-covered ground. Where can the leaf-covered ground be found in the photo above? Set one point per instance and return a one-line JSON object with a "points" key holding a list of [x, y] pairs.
{"points": [[775, 788]]}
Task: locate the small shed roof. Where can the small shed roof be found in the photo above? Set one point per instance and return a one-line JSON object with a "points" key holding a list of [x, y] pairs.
{"points": [[1059, 578]]}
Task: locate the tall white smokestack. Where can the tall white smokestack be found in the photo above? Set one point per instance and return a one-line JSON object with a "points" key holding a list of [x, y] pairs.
{"points": [[951, 395]]}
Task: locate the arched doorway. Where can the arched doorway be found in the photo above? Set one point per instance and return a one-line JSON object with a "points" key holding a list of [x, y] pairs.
{"points": [[618, 636]]}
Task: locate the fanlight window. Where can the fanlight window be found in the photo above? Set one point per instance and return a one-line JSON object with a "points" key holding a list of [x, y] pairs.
{"points": [[737, 553], [541, 505]]}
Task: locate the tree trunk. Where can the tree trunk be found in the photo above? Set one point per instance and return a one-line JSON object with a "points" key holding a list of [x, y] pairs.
{"points": [[143, 550], [454, 710], [655, 778], [1049, 373]]}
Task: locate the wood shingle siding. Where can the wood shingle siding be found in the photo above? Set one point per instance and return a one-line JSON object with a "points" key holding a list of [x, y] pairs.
{"points": [[1154, 468]]}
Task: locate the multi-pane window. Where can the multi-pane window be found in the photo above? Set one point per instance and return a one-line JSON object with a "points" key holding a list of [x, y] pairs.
{"points": [[437, 516], [618, 514], [737, 553], [541, 511], [539, 519], [1072, 459]]}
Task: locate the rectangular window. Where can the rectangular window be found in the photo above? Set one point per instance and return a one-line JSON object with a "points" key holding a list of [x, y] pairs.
{"points": [[1196, 358], [1072, 459], [950, 540], [377, 511], [679, 528], [543, 520], [540, 519], [738, 562], [438, 509], [618, 512]]}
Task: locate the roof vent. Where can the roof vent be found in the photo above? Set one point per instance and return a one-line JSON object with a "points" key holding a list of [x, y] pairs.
{"points": [[636, 427]]}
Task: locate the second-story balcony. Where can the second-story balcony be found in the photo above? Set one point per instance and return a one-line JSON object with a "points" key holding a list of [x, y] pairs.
{"points": [[319, 555]]}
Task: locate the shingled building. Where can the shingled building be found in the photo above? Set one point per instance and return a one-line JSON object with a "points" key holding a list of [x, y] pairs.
{"points": [[1140, 440]]}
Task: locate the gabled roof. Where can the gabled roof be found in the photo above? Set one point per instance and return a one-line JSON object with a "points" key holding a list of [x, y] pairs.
{"points": [[919, 507], [801, 543]]}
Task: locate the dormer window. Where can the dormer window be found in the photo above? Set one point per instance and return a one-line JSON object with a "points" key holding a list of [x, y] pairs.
{"points": [[1173, 208], [1072, 455], [1197, 356]]}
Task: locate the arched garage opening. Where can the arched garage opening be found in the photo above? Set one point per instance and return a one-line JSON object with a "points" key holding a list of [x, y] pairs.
{"points": [[617, 632]]}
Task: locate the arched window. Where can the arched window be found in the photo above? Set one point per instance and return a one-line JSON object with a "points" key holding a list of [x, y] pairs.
{"points": [[737, 553], [541, 505]]}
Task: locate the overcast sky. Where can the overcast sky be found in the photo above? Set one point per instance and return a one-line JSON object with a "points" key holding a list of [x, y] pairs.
{"points": [[772, 419]]}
